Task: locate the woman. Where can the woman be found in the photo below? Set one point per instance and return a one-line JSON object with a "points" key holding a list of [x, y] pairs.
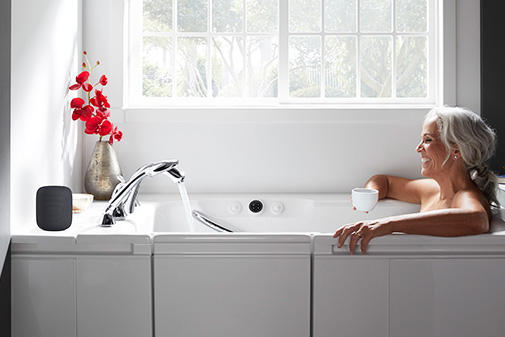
{"points": [[455, 147]]}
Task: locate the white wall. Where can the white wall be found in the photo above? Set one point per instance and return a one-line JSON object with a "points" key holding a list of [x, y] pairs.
{"points": [[44, 140], [288, 151]]}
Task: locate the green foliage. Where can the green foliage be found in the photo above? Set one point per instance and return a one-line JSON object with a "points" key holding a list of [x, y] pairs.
{"points": [[157, 81], [157, 15]]}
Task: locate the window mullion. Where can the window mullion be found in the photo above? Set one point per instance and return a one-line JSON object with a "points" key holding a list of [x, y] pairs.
{"points": [[393, 50], [358, 50], [209, 50], [323, 53], [283, 81], [174, 48]]}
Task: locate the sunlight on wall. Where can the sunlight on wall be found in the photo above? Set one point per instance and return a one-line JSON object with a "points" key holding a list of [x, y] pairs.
{"points": [[44, 142]]}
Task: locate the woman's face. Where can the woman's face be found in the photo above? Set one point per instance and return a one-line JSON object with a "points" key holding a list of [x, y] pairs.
{"points": [[432, 150]]}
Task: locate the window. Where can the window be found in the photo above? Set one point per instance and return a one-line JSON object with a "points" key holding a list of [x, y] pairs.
{"points": [[269, 52]]}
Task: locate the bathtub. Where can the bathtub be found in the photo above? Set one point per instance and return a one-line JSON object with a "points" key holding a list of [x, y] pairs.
{"points": [[278, 214], [279, 273]]}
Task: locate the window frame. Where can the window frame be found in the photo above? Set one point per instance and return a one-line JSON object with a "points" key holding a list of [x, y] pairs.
{"points": [[136, 99]]}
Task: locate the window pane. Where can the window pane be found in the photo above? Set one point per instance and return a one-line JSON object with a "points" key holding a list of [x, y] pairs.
{"points": [[157, 67], [192, 16], [412, 66], [157, 15], [375, 16], [227, 15], [304, 16], [305, 66], [375, 61], [191, 67], [340, 66], [262, 66], [340, 16], [227, 66], [262, 16], [411, 15]]}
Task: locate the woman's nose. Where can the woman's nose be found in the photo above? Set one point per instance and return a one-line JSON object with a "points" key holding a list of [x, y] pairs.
{"points": [[419, 147]]}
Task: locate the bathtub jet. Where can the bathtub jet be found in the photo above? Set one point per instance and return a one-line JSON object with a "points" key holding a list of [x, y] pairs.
{"points": [[125, 196]]}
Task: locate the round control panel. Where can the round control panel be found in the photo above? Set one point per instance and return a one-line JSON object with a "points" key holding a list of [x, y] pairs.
{"points": [[256, 206]]}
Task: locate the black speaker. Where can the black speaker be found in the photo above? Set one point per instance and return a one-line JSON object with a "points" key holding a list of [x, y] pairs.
{"points": [[54, 208]]}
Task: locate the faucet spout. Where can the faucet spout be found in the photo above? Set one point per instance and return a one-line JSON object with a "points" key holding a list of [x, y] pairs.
{"points": [[124, 200], [176, 175]]}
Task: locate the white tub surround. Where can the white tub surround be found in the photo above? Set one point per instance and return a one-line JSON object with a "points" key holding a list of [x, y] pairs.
{"points": [[280, 274]]}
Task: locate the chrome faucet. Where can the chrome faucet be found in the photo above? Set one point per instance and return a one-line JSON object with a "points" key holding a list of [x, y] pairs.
{"points": [[124, 198]]}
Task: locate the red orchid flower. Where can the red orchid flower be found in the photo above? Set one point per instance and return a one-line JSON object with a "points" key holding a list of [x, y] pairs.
{"points": [[115, 135], [93, 125], [105, 128], [81, 82], [104, 113], [77, 103], [84, 113], [100, 100], [103, 80]]}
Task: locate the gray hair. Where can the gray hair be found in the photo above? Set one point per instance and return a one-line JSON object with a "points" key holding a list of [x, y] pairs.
{"points": [[476, 142]]}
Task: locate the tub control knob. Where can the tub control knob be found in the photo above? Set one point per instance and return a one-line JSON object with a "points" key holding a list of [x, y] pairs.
{"points": [[256, 206], [234, 208], [277, 208]]}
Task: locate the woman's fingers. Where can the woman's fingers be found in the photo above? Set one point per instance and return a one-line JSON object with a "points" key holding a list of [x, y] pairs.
{"points": [[364, 244], [356, 233], [343, 232], [353, 241]]}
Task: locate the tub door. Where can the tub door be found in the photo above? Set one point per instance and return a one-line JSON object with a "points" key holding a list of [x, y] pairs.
{"points": [[350, 292], [227, 287]]}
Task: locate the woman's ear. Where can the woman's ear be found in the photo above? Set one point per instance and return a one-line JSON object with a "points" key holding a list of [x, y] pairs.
{"points": [[455, 152]]}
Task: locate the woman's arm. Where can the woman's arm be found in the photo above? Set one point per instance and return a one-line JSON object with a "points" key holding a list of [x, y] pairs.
{"points": [[446, 222], [468, 215], [403, 189]]}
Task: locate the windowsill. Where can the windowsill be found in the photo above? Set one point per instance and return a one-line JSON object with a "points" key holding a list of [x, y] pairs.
{"points": [[282, 114]]}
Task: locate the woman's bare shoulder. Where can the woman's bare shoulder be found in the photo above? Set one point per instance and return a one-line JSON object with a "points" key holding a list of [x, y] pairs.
{"points": [[472, 199]]}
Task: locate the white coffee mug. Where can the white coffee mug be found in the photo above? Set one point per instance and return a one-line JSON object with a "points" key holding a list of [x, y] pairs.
{"points": [[365, 199]]}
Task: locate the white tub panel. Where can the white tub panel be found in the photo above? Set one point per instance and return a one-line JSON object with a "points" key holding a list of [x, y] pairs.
{"points": [[350, 297], [229, 296], [114, 296], [447, 297], [43, 297]]}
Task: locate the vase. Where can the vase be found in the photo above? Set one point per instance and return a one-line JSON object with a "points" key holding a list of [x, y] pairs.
{"points": [[103, 172]]}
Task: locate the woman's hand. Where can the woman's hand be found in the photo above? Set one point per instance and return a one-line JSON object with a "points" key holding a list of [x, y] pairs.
{"points": [[364, 231]]}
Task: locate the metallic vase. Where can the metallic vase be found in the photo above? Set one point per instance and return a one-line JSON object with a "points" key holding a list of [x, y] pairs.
{"points": [[102, 174]]}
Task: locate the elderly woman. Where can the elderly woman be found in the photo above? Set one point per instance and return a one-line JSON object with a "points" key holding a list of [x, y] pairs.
{"points": [[455, 201]]}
